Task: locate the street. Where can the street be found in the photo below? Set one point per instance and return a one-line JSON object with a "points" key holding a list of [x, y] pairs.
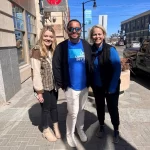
{"points": [[20, 120], [120, 50], [31, 31]]}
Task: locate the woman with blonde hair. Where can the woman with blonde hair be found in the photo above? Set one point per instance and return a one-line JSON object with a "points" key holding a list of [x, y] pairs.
{"points": [[43, 81], [105, 79]]}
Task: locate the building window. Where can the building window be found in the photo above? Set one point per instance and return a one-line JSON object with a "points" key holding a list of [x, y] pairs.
{"points": [[20, 45], [142, 33], [31, 40], [146, 22], [138, 24], [18, 17], [146, 33], [138, 34], [31, 29], [128, 27], [19, 32], [142, 23]]}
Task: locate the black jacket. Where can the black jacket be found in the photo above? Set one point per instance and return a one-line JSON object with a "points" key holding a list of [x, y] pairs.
{"points": [[105, 65], [60, 64]]}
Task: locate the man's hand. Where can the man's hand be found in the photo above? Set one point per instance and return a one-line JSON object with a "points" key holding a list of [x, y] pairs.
{"points": [[40, 98]]}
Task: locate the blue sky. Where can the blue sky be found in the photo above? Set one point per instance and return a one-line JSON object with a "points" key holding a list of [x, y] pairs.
{"points": [[117, 11]]}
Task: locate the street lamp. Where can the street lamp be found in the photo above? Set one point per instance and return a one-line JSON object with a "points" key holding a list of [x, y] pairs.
{"points": [[94, 6]]}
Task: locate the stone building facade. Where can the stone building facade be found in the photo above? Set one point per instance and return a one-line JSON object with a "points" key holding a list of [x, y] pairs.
{"points": [[20, 25]]}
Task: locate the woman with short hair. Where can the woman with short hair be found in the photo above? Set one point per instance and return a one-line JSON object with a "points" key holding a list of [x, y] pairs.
{"points": [[105, 79]]}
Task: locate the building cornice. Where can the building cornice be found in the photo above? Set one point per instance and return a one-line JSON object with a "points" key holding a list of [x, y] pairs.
{"points": [[137, 16]]}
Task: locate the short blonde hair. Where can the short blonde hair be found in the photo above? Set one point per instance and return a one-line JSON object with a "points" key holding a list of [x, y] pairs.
{"points": [[91, 31]]}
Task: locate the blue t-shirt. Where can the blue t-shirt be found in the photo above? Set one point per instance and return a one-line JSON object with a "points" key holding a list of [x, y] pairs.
{"points": [[77, 70]]}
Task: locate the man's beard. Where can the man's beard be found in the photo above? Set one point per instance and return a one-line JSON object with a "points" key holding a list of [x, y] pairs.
{"points": [[75, 40]]}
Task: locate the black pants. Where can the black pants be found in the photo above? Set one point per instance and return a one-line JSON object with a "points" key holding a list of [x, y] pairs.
{"points": [[112, 105], [49, 108]]}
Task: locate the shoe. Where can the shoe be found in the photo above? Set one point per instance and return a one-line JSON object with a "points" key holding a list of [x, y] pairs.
{"points": [[49, 135], [71, 140], [56, 130], [82, 135], [116, 136], [101, 132]]}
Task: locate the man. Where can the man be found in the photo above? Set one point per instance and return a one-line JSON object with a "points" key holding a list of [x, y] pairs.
{"points": [[71, 67]]}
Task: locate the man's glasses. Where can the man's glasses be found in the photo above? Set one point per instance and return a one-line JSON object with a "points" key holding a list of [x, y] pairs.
{"points": [[71, 29]]}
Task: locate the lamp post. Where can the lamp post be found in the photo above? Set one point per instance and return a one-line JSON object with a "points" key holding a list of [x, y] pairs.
{"points": [[94, 6]]}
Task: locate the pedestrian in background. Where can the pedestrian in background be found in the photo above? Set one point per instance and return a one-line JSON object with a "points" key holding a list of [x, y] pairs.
{"points": [[71, 67], [43, 81], [105, 79]]}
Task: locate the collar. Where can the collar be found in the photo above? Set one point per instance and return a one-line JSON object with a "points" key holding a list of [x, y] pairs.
{"points": [[99, 49]]}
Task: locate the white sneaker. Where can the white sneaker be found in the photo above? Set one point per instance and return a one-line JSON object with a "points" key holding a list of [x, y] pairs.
{"points": [[71, 140], [82, 135]]}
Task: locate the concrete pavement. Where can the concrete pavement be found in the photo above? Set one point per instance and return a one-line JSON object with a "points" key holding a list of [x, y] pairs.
{"points": [[20, 118]]}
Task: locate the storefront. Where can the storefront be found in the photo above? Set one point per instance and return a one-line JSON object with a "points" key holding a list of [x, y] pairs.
{"points": [[18, 34], [20, 26], [25, 26]]}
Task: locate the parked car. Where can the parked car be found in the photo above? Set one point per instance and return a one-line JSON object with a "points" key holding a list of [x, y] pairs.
{"points": [[109, 43], [114, 43], [121, 43], [133, 44], [131, 53], [139, 57], [143, 57]]}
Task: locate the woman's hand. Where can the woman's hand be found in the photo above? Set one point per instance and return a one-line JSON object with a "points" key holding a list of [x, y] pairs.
{"points": [[40, 98]]}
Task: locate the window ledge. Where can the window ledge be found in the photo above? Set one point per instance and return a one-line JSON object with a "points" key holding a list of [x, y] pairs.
{"points": [[24, 66], [25, 72]]}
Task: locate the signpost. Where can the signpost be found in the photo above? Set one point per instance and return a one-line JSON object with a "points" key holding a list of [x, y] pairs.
{"points": [[88, 17]]}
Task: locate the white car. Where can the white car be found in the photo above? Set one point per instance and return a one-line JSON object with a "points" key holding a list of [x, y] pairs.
{"points": [[134, 44], [109, 43]]}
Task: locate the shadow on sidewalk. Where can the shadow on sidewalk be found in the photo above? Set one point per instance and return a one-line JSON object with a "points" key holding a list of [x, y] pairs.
{"points": [[91, 127], [142, 79], [35, 115]]}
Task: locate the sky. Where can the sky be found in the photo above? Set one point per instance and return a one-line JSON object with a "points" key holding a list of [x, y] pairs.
{"points": [[117, 11]]}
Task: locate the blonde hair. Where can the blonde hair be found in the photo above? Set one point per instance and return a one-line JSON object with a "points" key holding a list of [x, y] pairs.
{"points": [[92, 30], [43, 49]]}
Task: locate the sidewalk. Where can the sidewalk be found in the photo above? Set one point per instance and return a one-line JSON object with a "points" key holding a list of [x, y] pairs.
{"points": [[20, 118]]}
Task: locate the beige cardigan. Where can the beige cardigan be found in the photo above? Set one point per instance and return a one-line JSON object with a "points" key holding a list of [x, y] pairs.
{"points": [[42, 74]]}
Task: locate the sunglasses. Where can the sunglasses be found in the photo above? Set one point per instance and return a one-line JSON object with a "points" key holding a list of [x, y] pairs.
{"points": [[71, 29]]}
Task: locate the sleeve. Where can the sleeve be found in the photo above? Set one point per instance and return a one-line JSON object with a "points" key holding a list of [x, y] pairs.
{"points": [[37, 79], [90, 63], [115, 60], [57, 69]]}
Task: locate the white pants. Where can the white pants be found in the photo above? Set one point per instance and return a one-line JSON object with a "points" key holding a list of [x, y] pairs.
{"points": [[76, 101]]}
